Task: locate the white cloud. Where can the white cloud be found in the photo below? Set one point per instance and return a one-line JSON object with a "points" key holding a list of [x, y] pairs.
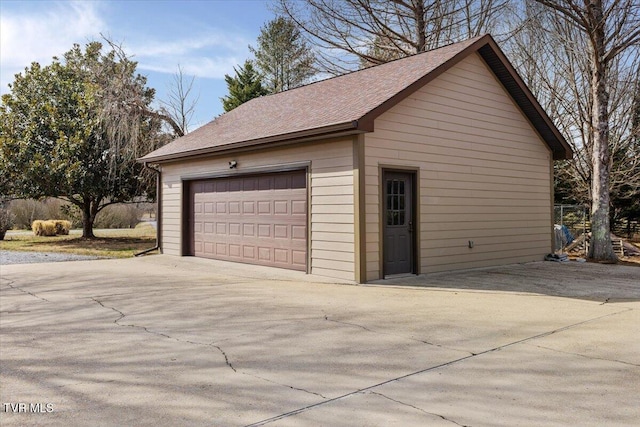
{"points": [[29, 35], [207, 56], [204, 67], [184, 46], [40, 30]]}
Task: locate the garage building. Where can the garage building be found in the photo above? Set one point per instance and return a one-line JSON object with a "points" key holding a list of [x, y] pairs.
{"points": [[438, 161]]}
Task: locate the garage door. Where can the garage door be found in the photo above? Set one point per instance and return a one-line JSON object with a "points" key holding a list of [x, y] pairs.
{"points": [[256, 219]]}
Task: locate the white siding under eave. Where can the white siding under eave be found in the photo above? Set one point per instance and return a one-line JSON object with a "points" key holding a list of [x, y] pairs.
{"points": [[331, 207], [484, 173]]}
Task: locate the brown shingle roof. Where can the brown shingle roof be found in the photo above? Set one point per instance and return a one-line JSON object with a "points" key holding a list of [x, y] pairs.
{"points": [[349, 104]]}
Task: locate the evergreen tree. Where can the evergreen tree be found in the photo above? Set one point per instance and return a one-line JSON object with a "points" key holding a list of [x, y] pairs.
{"points": [[246, 85], [73, 130], [283, 56]]}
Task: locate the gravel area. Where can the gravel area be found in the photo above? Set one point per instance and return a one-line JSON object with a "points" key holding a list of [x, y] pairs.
{"points": [[19, 257]]}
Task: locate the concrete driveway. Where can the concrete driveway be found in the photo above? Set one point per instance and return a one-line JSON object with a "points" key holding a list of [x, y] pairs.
{"points": [[179, 342]]}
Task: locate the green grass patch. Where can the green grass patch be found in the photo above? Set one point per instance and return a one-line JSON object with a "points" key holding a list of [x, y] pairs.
{"points": [[110, 243]]}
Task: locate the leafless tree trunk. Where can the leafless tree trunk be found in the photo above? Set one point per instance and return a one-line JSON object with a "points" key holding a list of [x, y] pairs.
{"points": [[600, 248], [180, 104], [549, 53], [609, 28]]}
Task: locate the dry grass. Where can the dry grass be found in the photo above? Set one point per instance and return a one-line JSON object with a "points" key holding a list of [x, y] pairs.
{"points": [[633, 261], [50, 227], [116, 243], [44, 228]]}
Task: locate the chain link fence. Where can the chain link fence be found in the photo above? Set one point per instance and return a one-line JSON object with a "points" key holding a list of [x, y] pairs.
{"points": [[571, 225]]}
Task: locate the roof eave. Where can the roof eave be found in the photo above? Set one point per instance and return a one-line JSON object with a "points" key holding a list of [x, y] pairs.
{"points": [[368, 119], [486, 47], [508, 76], [335, 130], [526, 101]]}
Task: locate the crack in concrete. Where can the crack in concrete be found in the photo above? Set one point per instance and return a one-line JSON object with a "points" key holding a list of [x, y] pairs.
{"points": [[111, 308], [431, 368], [226, 358], [211, 344], [326, 317], [419, 409], [26, 292], [471, 353], [149, 331], [584, 355], [283, 385]]}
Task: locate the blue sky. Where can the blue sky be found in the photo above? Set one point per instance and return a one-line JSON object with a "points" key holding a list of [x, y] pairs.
{"points": [[207, 38]]}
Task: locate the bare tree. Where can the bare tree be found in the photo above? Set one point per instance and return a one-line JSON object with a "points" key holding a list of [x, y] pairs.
{"points": [[350, 33], [606, 33], [625, 164], [180, 104], [547, 51], [135, 103]]}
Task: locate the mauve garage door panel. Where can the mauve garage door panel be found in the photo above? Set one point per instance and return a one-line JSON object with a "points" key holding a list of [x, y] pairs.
{"points": [[255, 219]]}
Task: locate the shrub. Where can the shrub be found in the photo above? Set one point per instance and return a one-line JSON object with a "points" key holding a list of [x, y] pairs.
{"points": [[119, 216], [38, 227], [25, 211], [6, 220], [50, 228], [72, 213], [62, 226]]}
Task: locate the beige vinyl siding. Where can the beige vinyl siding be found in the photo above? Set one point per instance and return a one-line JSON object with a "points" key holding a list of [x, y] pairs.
{"points": [[330, 188], [484, 173]]}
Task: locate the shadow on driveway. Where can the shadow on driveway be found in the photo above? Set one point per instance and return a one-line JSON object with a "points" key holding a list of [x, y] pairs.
{"points": [[174, 341], [588, 281]]}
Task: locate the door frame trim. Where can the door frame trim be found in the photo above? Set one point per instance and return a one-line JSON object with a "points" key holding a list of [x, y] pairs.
{"points": [[251, 170], [187, 199], [415, 211]]}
